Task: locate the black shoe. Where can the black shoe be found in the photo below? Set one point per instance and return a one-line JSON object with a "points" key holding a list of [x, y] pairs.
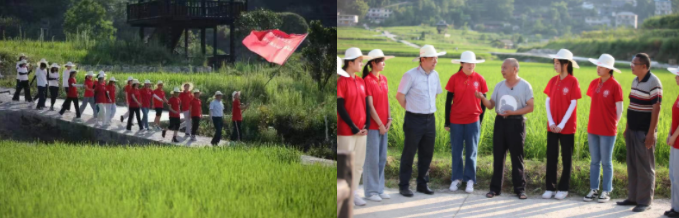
{"points": [[121, 119], [164, 133], [671, 213], [641, 208], [174, 139], [627, 203], [406, 192], [424, 189]]}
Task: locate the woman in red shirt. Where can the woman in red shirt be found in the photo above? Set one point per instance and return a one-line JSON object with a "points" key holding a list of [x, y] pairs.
{"points": [[135, 104], [376, 147], [196, 112], [353, 115], [111, 87], [602, 129], [88, 98], [101, 99], [173, 108], [237, 116], [674, 151], [158, 100], [72, 96], [563, 92], [186, 97], [146, 94]]}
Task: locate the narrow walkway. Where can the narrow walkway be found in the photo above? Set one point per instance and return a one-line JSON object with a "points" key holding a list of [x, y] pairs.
{"points": [[445, 203]]}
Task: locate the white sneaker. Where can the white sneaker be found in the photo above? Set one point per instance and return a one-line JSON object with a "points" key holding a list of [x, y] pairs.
{"points": [[593, 194], [358, 201], [375, 198], [385, 196], [454, 185], [548, 194], [604, 197], [561, 195], [470, 186]]}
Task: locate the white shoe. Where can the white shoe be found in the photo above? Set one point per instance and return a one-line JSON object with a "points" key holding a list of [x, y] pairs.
{"points": [[592, 195], [375, 198], [548, 194], [561, 195], [604, 197], [358, 201], [455, 185], [385, 196], [470, 186]]}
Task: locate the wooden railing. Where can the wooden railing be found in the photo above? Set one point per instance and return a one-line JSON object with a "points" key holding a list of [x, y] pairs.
{"points": [[184, 9]]}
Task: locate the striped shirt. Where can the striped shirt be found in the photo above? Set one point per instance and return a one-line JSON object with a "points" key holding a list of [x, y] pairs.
{"points": [[643, 96]]}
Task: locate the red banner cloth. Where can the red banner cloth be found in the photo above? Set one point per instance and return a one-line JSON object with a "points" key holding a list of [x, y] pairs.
{"points": [[273, 45]]}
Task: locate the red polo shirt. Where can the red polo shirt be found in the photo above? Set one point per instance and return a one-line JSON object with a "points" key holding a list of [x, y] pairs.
{"points": [[186, 98], [89, 84], [466, 107], [127, 89], [72, 90], [196, 107], [560, 93], [112, 93], [353, 92], [146, 95], [675, 121], [236, 112], [137, 95], [174, 103], [379, 91], [161, 94], [100, 90], [603, 117]]}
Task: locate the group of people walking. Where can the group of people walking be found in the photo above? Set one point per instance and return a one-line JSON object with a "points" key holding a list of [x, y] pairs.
{"points": [[100, 95], [364, 120]]}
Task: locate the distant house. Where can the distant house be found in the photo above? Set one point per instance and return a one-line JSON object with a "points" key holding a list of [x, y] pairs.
{"points": [[622, 3], [587, 5], [596, 21], [626, 19], [378, 15], [441, 26], [503, 43], [346, 20], [663, 7]]}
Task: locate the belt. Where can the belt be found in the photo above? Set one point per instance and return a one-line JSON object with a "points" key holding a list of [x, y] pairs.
{"points": [[512, 117], [419, 115]]}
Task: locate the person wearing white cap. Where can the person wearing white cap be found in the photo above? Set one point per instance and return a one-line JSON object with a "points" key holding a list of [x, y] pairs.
{"points": [[354, 115], [22, 82], [158, 100], [217, 115], [417, 93], [102, 99], [196, 112], [111, 104], [174, 104], [72, 95], [126, 90], [186, 98], [604, 114], [674, 152], [135, 104], [53, 80], [563, 92], [237, 109], [641, 133], [340, 71], [463, 112], [22, 57], [66, 75], [41, 76], [146, 99], [88, 97], [377, 90], [512, 98]]}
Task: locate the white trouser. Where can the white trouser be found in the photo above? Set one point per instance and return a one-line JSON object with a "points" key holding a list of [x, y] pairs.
{"points": [[101, 117], [187, 122], [111, 111], [355, 144]]}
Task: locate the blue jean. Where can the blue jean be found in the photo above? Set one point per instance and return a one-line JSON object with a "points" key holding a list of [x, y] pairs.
{"points": [[145, 117], [464, 136], [601, 152], [375, 161]]}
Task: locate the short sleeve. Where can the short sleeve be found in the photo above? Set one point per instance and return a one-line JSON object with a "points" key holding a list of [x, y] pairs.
{"points": [[528, 92], [212, 105], [590, 89], [484, 87], [439, 89], [340, 88], [548, 89], [618, 93], [656, 92], [577, 93], [450, 86], [369, 87], [406, 84], [493, 97]]}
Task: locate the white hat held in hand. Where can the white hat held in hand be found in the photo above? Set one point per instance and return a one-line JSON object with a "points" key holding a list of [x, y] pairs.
{"points": [[340, 71], [565, 54], [377, 54], [353, 53], [467, 57], [428, 51], [674, 71], [606, 61]]}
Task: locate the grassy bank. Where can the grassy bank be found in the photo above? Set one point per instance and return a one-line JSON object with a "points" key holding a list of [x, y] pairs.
{"points": [[63, 180]]}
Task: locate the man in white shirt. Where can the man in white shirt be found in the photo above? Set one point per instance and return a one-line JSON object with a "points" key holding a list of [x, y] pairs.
{"points": [[217, 114], [22, 82], [41, 76]]}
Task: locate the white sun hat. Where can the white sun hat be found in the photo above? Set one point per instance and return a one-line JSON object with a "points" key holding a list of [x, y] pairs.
{"points": [[69, 64], [377, 54], [90, 73], [130, 78], [42, 61], [674, 71], [135, 81], [565, 54], [55, 65], [176, 90], [340, 71], [428, 51], [101, 74], [159, 82], [233, 95], [196, 91], [605, 61], [353, 53], [113, 79], [147, 82], [22, 62], [467, 57], [218, 93]]}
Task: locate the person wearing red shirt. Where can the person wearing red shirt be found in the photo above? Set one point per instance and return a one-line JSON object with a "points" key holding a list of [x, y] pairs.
{"points": [[111, 88], [602, 128], [88, 98], [237, 116], [101, 98], [134, 96], [146, 95], [674, 151], [72, 96], [377, 91], [353, 120], [158, 100], [563, 92], [463, 119], [173, 108], [186, 97], [196, 112], [127, 89]]}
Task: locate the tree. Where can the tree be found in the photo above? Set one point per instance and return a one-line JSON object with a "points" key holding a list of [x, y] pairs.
{"points": [[293, 23], [357, 7], [520, 40], [88, 17], [322, 45]]}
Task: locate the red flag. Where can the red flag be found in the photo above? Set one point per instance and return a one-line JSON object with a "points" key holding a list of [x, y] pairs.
{"points": [[274, 45]]}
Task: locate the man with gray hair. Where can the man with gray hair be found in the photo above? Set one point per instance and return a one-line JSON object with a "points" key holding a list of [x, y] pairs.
{"points": [[512, 98]]}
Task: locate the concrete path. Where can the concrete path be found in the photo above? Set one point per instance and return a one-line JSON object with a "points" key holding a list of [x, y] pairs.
{"points": [[445, 203]]}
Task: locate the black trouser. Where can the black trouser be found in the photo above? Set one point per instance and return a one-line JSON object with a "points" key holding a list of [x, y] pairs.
{"points": [[68, 107], [237, 134], [509, 134], [194, 125], [219, 123], [420, 135], [567, 143], [54, 92], [27, 91], [68, 102], [134, 110], [42, 95]]}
